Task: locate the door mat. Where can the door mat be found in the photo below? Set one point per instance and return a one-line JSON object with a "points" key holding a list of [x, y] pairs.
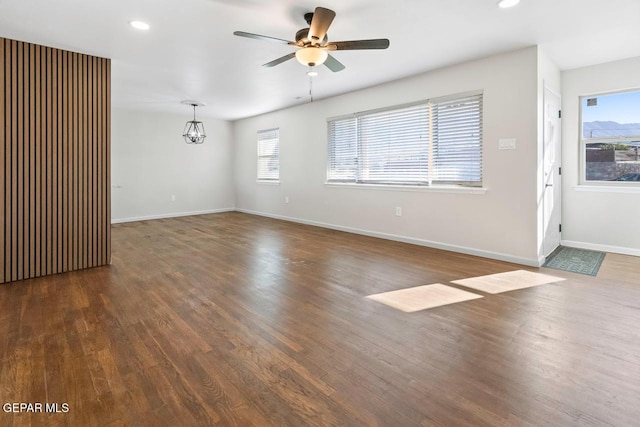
{"points": [[509, 281], [423, 297], [575, 260]]}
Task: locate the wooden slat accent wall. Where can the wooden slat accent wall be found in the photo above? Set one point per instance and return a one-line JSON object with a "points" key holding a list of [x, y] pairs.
{"points": [[55, 161]]}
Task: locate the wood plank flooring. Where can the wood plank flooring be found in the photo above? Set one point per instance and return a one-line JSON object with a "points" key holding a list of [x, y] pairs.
{"points": [[232, 319]]}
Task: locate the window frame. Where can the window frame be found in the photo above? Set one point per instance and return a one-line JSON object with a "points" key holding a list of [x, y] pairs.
{"points": [[431, 171], [259, 156], [582, 145]]}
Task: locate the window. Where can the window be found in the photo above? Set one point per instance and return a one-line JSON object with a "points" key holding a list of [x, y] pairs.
{"points": [[432, 142], [269, 155], [610, 138]]}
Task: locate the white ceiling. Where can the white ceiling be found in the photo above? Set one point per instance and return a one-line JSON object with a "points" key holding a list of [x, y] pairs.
{"points": [[190, 51]]}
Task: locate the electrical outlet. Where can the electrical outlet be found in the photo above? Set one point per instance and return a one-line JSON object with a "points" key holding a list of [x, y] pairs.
{"points": [[286, 199], [173, 198], [398, 211]]}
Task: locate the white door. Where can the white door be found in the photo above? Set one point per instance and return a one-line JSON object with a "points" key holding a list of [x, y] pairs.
{"points": [[552, 178]]}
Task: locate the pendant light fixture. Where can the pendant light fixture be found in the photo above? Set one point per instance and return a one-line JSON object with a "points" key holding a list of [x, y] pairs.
{"points": [[194, 130]]}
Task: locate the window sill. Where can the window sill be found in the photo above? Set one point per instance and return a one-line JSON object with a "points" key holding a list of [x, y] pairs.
{"points": [[432, 189], [608, 189], [269, 182]]}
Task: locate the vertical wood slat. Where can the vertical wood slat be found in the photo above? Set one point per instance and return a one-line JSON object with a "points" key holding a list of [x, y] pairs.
{"points": [[47, 212], [107, 149], [63, 164], [85, 137], [13, 175], [66, 168], [19, 169], [23, 152], [100, 233], [33, 146], [42, 165], [3, 170], [54, 161], [76, 168], [58, 186], [93, 250], [36, 167], [73, 167]]}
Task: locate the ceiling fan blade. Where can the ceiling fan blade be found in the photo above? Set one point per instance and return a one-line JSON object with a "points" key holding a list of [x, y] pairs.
{"points": [[280, 60], [322, 18], [359, 44], [260, 37], [333, 64]]}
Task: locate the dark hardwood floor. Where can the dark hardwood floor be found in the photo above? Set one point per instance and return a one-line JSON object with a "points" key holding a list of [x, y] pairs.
{"points": [[233, 319]]}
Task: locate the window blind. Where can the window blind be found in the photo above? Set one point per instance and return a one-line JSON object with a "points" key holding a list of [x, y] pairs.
{"points": [[393, 146], [457, 140], [343, 150], [269, 155], [436, 141]]}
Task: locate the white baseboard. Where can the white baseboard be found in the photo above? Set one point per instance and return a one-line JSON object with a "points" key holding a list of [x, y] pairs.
{"points": [[397, 238], [169, 215], [601, 248], [420, 242]]}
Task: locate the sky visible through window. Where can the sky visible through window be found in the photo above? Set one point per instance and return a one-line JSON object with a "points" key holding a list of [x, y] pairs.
{"points": [[612, 115]]}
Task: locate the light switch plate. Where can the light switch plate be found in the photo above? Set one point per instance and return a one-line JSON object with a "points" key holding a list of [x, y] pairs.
{"points": [[507, 144]]}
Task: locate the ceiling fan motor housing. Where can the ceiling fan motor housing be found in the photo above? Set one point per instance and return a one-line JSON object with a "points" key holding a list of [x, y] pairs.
{"points": [[303, 40]]}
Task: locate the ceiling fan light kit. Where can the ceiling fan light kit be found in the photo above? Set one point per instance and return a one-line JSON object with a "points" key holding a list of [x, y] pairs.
{"points": [[313, 43], [311, 56], [194, 132]]}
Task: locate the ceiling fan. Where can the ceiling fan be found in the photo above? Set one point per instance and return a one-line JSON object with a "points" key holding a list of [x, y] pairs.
{"points": [[313, 44]]}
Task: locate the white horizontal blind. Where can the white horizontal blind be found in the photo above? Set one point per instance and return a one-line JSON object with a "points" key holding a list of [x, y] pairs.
{"points": [[393, 146], [269, 155], [457, 140], [437, 141], [343, 150]]}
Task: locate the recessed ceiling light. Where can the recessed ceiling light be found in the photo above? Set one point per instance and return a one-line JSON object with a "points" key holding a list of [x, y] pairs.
{"points": [[507, 3], [139, 25], [312, 73]]}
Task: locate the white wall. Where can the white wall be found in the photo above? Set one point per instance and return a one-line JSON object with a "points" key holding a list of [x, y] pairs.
{"points": [[150, 162], [501, 223], [594, 218]]}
